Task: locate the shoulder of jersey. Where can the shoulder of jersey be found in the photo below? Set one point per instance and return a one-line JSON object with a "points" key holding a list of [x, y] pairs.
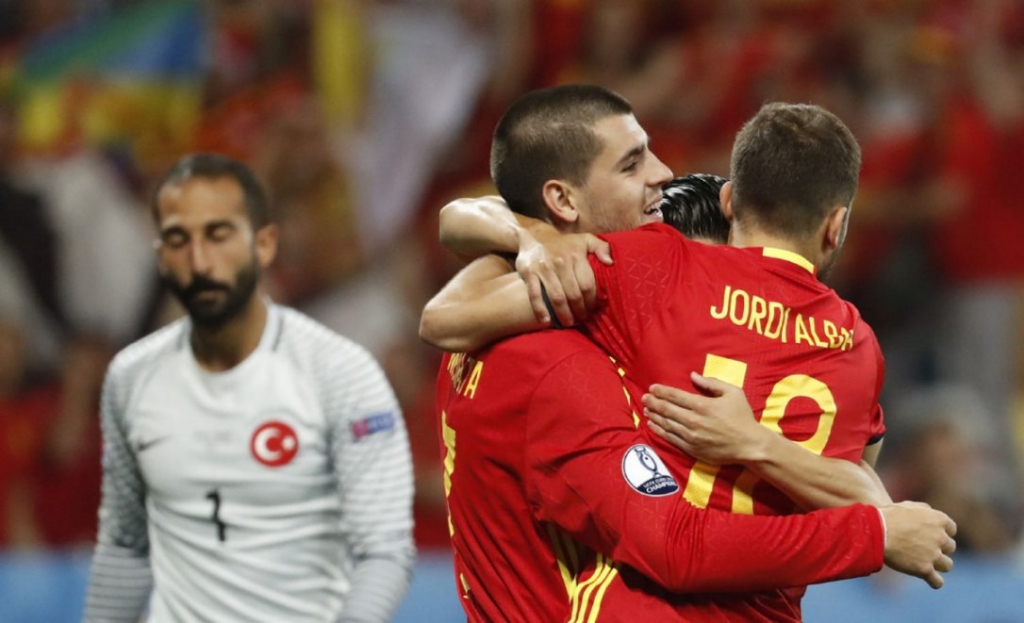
{"points": [[300, 331], [150, 347]]}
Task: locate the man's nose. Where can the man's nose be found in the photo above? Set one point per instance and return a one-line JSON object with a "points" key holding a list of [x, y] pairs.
{"points": [[660, 173], [200, 258]]}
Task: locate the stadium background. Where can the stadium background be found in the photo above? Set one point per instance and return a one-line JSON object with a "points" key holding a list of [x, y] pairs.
{"points": [[363, 117]]}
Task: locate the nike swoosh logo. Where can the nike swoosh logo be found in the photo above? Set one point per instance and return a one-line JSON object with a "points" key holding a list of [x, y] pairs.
{"points": [[146, 444]]}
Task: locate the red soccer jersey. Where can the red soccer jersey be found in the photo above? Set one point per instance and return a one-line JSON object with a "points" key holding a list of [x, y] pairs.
{"points": [[757, 318], [549, 478]]}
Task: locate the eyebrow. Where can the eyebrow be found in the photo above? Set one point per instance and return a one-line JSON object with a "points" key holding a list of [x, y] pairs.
{"points": [[632, 153], [176, 227]]}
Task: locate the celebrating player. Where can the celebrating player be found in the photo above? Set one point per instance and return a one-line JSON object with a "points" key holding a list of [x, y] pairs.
{"points": [[539, 433]]}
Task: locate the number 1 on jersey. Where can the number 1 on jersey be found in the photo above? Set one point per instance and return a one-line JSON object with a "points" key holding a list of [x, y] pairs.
{"points": [[702, 475], [214, 496]]}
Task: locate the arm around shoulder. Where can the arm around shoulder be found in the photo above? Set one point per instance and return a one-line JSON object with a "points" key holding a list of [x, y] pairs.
{"points": [[578, 443], [484, 302], [472, 227]]}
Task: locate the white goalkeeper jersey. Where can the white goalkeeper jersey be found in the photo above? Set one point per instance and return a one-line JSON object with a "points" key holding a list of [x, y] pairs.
{"points": [[279, 490]]}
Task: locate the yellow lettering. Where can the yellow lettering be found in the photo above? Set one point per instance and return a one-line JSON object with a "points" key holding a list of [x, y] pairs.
{"points": [[455, 365], [772, 320], [814, 333], [776, 316], [448, 436], [801, 331], [474, 380], [758, 311], [718, 315], [736, 295], [832, 334]]}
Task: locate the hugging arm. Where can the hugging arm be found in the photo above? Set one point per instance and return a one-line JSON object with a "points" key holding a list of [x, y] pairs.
{"points": [[484, 302], [581, 434], [720, 428], [471, 228]]}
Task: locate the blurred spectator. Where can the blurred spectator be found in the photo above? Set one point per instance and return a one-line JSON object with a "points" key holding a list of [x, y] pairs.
{"points": [[434, 59], [313, 201], [21, 411], [937, 454], [978, 246], [74, 253]]}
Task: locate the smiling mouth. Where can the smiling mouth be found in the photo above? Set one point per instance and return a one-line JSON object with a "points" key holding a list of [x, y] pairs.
{"points": [[654, 210]]}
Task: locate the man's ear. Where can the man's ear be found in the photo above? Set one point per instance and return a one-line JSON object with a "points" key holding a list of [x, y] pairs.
{"points": [[266, 244], [835, 228], [561, 201], [725, 197]]}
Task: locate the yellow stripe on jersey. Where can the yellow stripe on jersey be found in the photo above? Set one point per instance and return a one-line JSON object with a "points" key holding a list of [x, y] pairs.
{"points": [[789, 256], [599, 598], [567, 558], [629, 399], [586, 599]]}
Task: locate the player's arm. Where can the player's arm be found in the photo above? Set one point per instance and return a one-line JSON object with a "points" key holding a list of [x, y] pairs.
{"points": [[720, 428], [373, 466], [120, 579], [471, 228], [484, 302], [582, 478], [871, 452]]}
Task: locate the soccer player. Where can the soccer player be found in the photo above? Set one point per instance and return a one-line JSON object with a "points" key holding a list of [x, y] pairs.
{"points": [[553, 483], [691, 205], [256, 465]]}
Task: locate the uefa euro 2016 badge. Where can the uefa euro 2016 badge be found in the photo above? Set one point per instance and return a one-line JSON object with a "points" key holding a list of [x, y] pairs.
{"points": [[645, 472]]}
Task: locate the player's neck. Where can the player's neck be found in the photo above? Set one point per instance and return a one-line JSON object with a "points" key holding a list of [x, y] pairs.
{"points": [[755, 237], [217, 349]]}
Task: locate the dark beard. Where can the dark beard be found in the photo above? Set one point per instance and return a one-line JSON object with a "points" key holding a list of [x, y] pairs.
{"points": [[215, 314]]}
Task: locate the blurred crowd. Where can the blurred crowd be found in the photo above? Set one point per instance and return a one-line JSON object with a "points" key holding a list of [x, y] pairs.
{"points": [[363, 117]]}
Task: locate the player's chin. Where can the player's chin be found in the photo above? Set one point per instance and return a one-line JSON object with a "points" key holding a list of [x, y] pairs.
{"points": [[206, 310]]}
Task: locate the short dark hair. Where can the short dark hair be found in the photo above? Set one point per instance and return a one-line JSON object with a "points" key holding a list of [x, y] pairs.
{"points": [[216, 166], [692, 204], [549, 134], [792, 163]]}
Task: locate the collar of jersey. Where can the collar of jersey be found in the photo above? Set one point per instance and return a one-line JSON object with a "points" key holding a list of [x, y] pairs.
{"points": [[789, 256]]}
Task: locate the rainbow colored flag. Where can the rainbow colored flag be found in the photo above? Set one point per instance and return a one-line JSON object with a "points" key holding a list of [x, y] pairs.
{"points": [[132, 76]]}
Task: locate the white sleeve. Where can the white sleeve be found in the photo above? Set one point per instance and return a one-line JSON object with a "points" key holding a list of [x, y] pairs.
{"points": [[120, 579], [373, 463]]}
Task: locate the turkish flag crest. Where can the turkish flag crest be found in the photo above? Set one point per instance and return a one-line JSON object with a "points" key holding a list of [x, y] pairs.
{"points": [[274, 444]]}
